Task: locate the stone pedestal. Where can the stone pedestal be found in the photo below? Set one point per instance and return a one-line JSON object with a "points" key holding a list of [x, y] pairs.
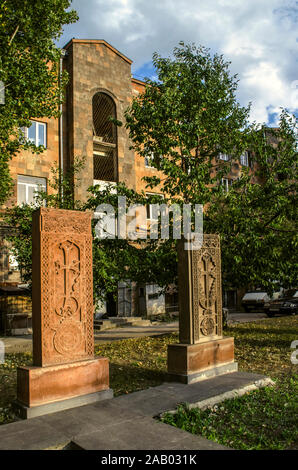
{"points": [[64, 372], [202, 351], [43, 390], [188, 363]]}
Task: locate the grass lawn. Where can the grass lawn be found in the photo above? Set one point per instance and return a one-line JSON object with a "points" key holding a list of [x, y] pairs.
{"points": [[263, 347], [263, 419], [260, 420]]}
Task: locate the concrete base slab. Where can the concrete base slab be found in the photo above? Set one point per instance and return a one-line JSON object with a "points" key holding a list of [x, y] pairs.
{"points": [[125, 422], [203, 375], [26, 412], [143, 433]]}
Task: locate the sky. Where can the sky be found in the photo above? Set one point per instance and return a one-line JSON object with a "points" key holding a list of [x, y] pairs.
{"points": [[259, 37]]}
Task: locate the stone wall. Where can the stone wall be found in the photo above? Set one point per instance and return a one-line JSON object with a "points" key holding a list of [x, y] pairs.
{"points": [[95, 66]]}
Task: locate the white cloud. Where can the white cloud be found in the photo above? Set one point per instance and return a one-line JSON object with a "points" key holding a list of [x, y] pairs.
{"points": [[264, 83], [257, 36]]}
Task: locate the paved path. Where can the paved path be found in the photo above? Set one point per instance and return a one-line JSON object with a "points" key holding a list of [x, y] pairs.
{"points": [[126, 422], [246, 317], [15, 344], [135, 332], [24, 343]]}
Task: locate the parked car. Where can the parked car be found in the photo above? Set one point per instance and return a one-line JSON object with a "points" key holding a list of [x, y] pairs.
{"points": [[254, 300], [287, 304]]}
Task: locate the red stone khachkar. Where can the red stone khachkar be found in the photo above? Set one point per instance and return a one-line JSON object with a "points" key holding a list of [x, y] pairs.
{"points": [[62, 312], [202, 350]]}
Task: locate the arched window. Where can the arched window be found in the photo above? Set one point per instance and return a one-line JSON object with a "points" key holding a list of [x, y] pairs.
{"points": [[104, 138]]}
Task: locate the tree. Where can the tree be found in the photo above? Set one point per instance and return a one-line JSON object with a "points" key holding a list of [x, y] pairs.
{"points": [[188, 116], [117, 260], [29, 69], [257, 217]]}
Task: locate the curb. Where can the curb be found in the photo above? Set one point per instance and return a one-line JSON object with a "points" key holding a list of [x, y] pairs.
{"points": [[237, 392]]}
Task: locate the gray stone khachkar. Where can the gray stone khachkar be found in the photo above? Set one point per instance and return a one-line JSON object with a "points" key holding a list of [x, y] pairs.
{"points": [[65, 373], [202, 351]]}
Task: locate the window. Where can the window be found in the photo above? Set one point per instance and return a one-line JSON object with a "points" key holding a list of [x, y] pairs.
{"points": [[226, 183], [244, 159], [27, 188], [104, 138], [150, 157], [148, 160], [153, 292], [224, 156], [153, 296], [36, 133]]}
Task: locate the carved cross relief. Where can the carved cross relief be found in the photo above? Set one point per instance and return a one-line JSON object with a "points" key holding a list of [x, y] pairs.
{"points": [[67, 270], [206, 280], [68, 338]]}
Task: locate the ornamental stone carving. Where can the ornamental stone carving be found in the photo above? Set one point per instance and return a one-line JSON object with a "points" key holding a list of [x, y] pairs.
{"points": [[200, 296], [62, 287]]}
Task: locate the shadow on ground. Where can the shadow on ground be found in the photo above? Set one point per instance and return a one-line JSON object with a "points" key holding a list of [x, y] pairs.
{"points": [[127, 379]]}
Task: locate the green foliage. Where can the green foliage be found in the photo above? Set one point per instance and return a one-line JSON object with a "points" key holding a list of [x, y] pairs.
{"points": [[116, 260], [257, 217], [62, 184], [20, 217], [29, 68], [265, 419], [113, 260], [188, 115]]}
